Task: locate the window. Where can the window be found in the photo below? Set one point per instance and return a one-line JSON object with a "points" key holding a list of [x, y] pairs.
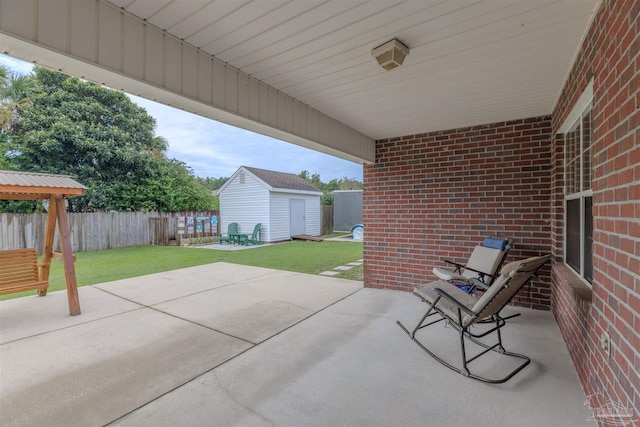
{"points": [[578, 143]]}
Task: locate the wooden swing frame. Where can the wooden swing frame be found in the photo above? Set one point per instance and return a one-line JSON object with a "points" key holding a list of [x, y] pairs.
{"points": [[54, 188]]}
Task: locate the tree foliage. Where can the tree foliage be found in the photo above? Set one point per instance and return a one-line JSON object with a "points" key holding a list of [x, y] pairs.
{"points": [[328, 188], [212, 183], [15, 95], [105, 141]]}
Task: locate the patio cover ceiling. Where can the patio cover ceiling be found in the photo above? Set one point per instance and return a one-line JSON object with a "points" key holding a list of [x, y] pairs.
{"points": [[470, 62]]}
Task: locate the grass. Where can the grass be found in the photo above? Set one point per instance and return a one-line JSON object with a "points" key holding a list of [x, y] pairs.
{"points": [[115, 264], [356, 273], [336, 234]]}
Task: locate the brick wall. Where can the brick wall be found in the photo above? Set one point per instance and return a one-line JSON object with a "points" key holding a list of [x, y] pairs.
{"points": [[609, 55], [435, 196]]}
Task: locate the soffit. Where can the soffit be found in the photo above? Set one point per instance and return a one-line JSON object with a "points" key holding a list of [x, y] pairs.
{"points": [[471, 62]]}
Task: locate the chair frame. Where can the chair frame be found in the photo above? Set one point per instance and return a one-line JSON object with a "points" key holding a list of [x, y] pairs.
{"points": [[464, 331]]}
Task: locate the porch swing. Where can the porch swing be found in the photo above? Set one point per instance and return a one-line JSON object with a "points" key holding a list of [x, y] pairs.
{"points": [[19, 268]]}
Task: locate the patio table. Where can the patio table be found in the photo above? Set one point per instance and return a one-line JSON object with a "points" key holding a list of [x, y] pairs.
{"points": [[239, 239]]}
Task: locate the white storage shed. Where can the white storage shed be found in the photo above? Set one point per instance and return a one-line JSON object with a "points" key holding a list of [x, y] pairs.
{"points": [[285, 204]]}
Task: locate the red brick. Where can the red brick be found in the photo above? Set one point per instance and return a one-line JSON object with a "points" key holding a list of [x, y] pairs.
{"points": [[477, 196], [607, 51], [505, 191]]}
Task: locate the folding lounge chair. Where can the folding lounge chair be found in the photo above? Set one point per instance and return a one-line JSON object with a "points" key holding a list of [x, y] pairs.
{"points": [[481, 269], [462, 311], [484, 263]]}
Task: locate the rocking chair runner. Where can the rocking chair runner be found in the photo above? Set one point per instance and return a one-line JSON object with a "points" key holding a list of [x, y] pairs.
{"points": [[462, 311]]}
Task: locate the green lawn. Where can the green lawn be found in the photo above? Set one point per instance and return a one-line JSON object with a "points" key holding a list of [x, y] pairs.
{"points": [[114, 264]]}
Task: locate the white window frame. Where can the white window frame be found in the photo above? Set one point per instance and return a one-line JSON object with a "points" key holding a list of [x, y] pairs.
{"points": [[573, 120]]}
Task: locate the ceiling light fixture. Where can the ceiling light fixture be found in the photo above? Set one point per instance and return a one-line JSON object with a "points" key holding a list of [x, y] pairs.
{"points": [[391, 54]]}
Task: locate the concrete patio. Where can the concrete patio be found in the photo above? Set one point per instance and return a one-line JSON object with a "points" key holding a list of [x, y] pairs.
{"points": [[224, 344]]}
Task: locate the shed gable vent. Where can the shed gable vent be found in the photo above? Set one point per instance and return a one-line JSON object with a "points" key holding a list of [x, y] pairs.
{"points": [[241, 177]]}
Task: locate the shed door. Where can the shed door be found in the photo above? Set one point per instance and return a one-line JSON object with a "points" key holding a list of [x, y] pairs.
{"points": [[296, 207]]}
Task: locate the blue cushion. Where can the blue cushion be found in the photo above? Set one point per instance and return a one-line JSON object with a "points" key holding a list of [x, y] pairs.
{"points": [[494, 243]]}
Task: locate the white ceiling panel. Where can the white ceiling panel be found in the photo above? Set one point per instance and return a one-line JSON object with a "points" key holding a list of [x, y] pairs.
{"points": [[233, 27], [254, 32], [142, 8], [470, 62], [174, 13], [312, 16]]}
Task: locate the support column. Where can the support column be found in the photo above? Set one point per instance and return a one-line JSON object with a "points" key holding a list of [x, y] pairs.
{"points": [[49, 235], [67, 257]]}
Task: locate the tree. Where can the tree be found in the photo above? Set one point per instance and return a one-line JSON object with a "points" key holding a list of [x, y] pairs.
{"points": [[106, 142], [344, 183], [15, 87], [95, 134], [327, 189], [312, 179], [178, 189], [15, 93], [212, 183]]}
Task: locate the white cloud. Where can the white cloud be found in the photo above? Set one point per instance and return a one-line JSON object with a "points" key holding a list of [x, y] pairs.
{"points": [[17, 65], [214, 149]]}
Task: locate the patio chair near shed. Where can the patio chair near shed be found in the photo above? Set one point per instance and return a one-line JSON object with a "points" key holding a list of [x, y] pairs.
{"points": [[254, 239], [232, 230], [463, 311]]}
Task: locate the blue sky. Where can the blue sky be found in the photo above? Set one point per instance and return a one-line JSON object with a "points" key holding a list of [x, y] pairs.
{"points": [[214, 149]]}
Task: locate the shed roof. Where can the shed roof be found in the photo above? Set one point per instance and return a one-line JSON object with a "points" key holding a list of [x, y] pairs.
{"points": [[36, 185], [282, 180]]}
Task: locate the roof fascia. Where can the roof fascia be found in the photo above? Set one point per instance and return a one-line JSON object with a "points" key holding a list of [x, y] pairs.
{"points": [[289, 191]]}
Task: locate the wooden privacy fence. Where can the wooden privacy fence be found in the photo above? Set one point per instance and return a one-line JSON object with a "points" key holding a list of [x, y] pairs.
{"points": [[94, 231], [159, 231], [327, 219]]}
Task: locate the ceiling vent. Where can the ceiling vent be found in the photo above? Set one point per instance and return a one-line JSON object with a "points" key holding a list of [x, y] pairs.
{"points": [[391, 54]]}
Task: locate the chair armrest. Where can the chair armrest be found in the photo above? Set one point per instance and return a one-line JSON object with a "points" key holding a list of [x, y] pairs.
{"points": [[457, 266], [481, 273], [454, 301], [453, 263], [479, 284], [450, 275]]}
